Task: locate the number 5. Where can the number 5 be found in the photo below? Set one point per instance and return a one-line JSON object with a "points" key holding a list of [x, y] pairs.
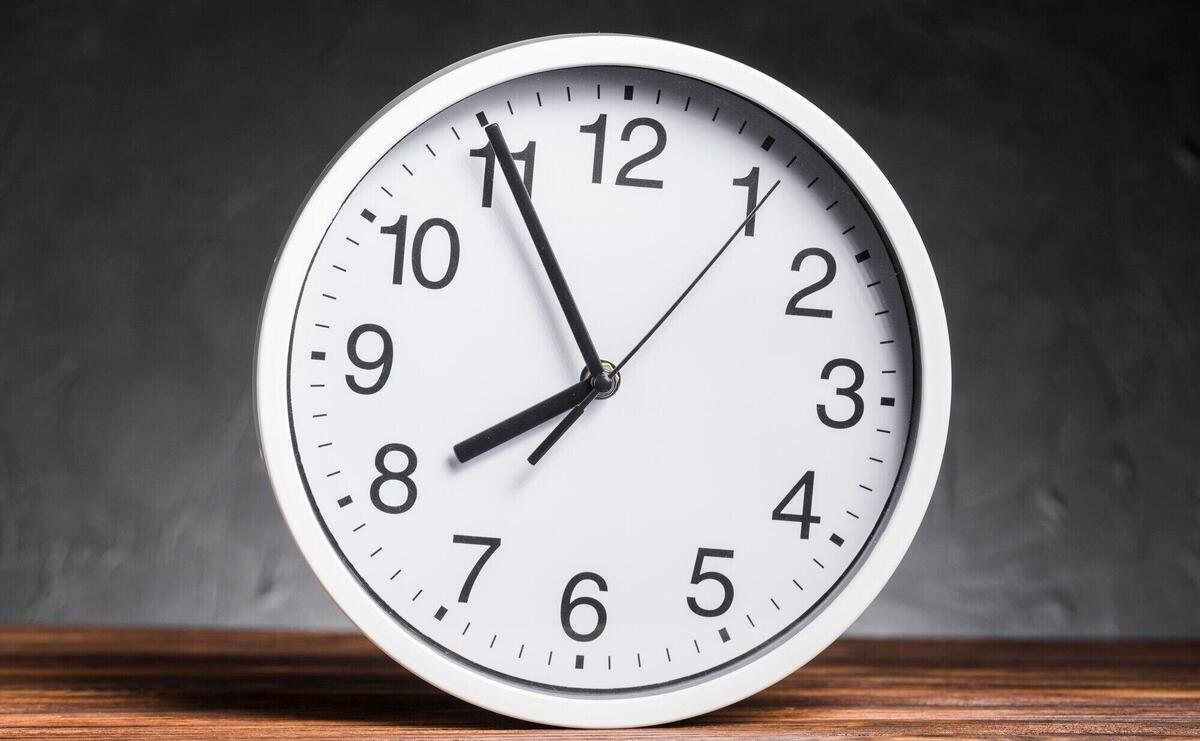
{"points": [[700, 576]]}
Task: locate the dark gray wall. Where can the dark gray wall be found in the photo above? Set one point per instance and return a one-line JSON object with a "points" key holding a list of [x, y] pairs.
{"points": [[152, 155]]}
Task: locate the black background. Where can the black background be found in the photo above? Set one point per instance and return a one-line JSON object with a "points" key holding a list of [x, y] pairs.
{"points": [[152, 156]]}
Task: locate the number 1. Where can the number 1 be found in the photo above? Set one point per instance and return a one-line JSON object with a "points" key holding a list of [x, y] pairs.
{"points": [[750, 183]]}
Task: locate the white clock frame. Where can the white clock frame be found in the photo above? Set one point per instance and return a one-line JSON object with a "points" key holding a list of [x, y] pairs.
{"points": [[931, 356]]}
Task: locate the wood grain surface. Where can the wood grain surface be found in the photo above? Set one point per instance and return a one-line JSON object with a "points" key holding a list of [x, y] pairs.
{"points": [[201, 684]]}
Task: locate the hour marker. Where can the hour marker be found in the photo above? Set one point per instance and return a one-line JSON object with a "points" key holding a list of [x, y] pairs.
{"points": [[456, 136], [360, 527], [351, 241], [880, 429], [877, 460], [493, 643], [322, 414], [881, 313], [441, 613], [751, 621], [318, 354], [568, 93], [331, 298], [331, 475], [418, 594], [393, 576], [657, 97], [714, 118], [687, 103], [818, 563], [324, 445], [773, 602], [410, 172], [789, 164], [886, 342], [610, 662], [865, 487], [344, 501], [639, 658], [768, 143], [339, 267], [431, 150], [797, 585], [852, 514], [628, 96], [521, 651], [597, 92], [468, 627], [724, 635], [863, 256], [831, 205], [696, 644], [481, 118], [376, 552], [550, 658], [579, 657], [887, 401], [668, 655], [872, 285], [368, 215], [389, 193], [509, 104], [813, 182], [848, 229], [539, 98], [836, 540]]}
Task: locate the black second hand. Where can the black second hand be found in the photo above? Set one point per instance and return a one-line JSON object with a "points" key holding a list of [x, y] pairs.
{"points": [[567, 421]]}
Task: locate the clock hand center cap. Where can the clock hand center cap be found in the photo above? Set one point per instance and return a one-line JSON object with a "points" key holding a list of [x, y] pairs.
{"points": [[607, 383]]}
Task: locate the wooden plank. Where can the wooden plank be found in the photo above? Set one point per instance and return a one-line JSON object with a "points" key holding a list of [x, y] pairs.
{"points": [[200, 684]]}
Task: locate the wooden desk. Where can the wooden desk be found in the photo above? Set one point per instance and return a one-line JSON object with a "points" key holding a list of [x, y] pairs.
{"points": [[201, 684]]}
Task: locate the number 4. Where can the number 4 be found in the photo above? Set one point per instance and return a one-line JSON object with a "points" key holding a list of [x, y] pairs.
{"points": [[806, 517]]}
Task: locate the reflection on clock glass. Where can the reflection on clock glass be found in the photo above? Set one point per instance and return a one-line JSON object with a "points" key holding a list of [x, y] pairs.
{"points": [[710, 505]]}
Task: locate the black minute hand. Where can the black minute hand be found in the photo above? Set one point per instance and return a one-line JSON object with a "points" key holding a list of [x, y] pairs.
{"points": [[566, 422], [559, 283]]}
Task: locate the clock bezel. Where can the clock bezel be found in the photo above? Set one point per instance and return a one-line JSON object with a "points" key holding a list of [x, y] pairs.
{"points": [[931, 355]]}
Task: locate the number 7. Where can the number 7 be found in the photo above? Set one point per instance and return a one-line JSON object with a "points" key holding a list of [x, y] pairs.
{"points": [[492, 544]]}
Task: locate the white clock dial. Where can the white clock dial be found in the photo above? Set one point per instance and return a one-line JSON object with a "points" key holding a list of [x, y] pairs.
{"points": [[683, 540], [707, 507]]}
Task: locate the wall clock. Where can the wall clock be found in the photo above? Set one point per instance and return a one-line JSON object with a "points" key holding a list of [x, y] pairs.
{"points": [[603, 381]]}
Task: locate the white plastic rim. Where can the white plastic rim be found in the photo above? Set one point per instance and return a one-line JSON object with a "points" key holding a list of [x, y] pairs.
{"points": [[930, 420]]}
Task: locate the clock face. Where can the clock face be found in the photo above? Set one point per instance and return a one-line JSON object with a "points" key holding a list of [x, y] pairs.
{"points": [[703, 512]]}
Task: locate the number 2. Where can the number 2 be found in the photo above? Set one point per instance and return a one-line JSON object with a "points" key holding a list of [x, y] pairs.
{"points": [[794, 308]]}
